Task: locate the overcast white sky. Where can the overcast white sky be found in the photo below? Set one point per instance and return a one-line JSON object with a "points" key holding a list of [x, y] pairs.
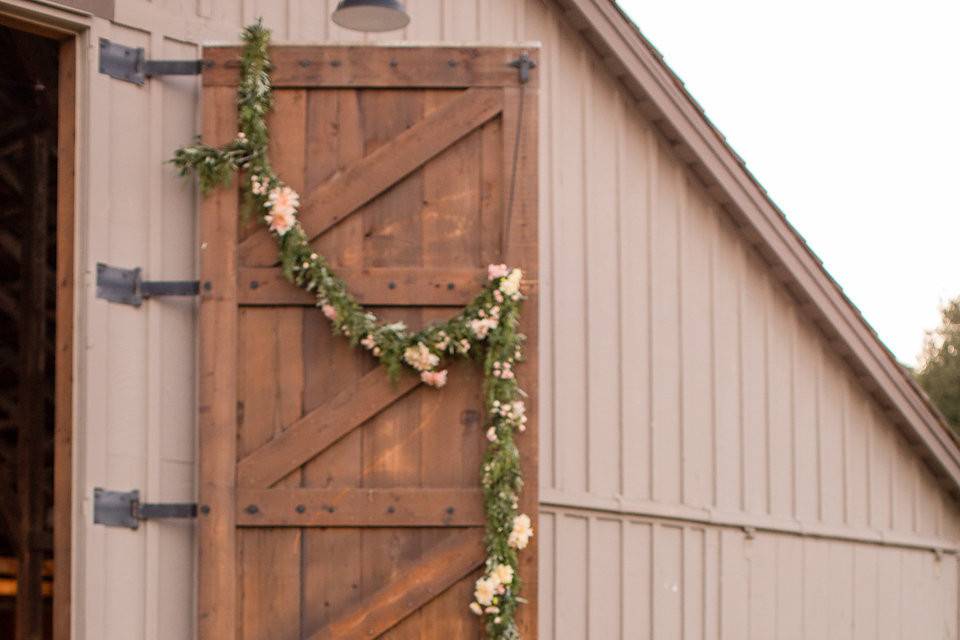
{"points": [[848, 112]]}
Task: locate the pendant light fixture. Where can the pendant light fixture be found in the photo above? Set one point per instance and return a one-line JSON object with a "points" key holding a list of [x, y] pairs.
{"points": [[371, 15]]}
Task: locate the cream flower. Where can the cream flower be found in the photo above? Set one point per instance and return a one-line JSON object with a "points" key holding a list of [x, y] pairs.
{"points": [[280, 221], [368, 342], [420, 357], [511, 284], [434, 378], [495, 271], [503, 573], [482, 326], [258, 185], [476, 608], [484, 590], [522, 532], [283, 199]]}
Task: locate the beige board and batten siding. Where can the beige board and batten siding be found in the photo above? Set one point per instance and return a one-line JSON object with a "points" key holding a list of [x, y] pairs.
{"points": [[683, 394]]}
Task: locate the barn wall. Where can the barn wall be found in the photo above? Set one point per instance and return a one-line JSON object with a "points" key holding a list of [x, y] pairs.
{"points": [[683, 394], [652, 579]]}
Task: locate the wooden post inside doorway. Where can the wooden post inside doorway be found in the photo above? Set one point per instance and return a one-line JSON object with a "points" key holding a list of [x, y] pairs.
{"points": [[42, 307]]}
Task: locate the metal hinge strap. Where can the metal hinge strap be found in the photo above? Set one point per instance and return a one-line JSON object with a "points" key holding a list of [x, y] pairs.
{"points": [[126, 286], [124, 509], [130, 64]]}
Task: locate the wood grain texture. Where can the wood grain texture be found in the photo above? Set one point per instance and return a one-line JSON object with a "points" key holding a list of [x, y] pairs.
{"points": [[64, 376], [382, 67], [359, 509], [217, 424], [396, 507], [404, 286], [322, 427], [416, 586], [346, 191]]}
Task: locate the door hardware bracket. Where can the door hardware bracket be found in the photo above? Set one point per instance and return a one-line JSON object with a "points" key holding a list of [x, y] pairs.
{"points": [[524, 64], [131, 65], [127, 286], [124, 509]]}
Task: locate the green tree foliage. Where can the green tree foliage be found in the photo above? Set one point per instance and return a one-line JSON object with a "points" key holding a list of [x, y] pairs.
{"points": [[939, 371]]}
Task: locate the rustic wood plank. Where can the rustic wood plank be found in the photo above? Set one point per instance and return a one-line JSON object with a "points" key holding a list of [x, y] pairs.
{"points": [[334, 141], [321, 427], [521, 249], [270, 382], [398, 286], [63, 362], [270, 391], [384, 67], [217, 424], [441, 567], [30, 397], [392, 442], [360, 183], [349, 507], [452, 441]]}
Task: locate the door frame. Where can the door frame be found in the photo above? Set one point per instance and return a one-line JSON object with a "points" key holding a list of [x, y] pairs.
{"points": [[67, 29]]}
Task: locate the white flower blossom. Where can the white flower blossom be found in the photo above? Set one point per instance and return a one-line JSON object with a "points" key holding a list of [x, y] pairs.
{"points": [[484, 591], [503, 573], [511, 284], [522, 532], [420, 357]]}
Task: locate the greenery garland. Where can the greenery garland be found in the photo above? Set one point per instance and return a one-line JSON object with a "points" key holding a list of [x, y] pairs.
{"points": [[486, 329]]}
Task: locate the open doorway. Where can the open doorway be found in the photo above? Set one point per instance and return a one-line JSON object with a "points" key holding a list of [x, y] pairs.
{"points": [[35, 355]]}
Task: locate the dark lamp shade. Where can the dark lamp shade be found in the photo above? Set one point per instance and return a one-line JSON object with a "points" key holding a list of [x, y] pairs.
{"points": [[371, 15]]}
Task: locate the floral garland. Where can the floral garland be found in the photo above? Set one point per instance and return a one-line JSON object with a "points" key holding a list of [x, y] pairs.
{"points": [[486, 329]]}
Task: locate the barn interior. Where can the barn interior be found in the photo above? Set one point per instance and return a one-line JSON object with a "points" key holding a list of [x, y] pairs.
{"points": [[28, 234]]}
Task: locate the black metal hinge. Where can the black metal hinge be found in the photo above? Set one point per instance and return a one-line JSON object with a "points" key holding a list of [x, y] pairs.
{"points": [[130, 64], [124, 509], [126, 286], [524, 64]]}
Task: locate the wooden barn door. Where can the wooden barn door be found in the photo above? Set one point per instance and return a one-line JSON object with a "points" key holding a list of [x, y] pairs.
{"points": [[334, 503]]}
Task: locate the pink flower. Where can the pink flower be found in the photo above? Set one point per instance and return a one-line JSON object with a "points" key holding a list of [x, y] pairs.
{"points": [[434, 378], [280, 221], [283, 199], [492, 434], [329, 311], [495, 271]]}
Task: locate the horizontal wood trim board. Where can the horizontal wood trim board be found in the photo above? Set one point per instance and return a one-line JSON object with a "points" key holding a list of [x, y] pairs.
{"points": [[374, 286], [346, 66], [771, 524], [364, 180], [321, 427], [753, 210], [413, 507], [442, 567]]}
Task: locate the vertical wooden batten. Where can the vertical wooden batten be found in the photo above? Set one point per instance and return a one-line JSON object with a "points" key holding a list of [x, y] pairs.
{"points": [[217, 424], [64, 376]]}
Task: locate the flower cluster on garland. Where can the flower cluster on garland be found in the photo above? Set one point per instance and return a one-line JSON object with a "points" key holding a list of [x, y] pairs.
{"points": [[486, 329]]}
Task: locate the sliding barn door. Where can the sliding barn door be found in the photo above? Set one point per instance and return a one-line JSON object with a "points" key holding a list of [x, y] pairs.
{"points": [[333, 502]]}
